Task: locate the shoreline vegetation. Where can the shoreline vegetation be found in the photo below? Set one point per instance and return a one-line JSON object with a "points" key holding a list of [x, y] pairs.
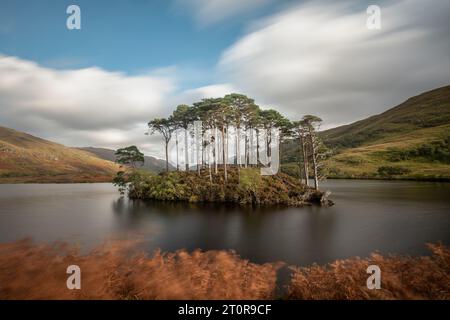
{"points": [[245, 187], [115, 271]]}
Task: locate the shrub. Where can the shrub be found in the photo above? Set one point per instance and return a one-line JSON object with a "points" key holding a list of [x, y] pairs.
{"points": [[403, 277], [392, 171], [119, 271], [351, 160], [246, 187], [438, 150]]}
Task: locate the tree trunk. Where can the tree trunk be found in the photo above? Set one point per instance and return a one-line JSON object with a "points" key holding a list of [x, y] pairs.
{"points": [[199, 148], [314, 161], [280, 143], [215, 150], [176, 143], [257, 147], [305, 160], [245, 149], [268, 143], [204, 147], [209, 169], [199, 157], [224, 153], [300, 163], [238, 153], [186, 154], [167, 156]]}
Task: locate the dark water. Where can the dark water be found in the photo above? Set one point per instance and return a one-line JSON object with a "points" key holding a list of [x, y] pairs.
{"points": [[392, 217]]}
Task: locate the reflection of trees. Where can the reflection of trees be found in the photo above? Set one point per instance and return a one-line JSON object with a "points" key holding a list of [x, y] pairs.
{"points": [[317, 237], [119, 206], [131, 207], [294, 235]]}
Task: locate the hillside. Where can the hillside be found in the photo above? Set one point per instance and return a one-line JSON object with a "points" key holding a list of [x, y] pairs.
{"points": [[151, 163], [427, 110], [25, 158], [409, 141]]}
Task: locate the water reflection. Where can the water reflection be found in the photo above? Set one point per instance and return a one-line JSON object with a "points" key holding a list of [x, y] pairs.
{"points": [[368, 215]]}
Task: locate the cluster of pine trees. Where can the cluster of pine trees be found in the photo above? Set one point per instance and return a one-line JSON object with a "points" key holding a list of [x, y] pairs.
{"points": [[237, 117]]}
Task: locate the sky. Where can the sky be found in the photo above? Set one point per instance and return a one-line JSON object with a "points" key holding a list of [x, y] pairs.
{"points": [[132, 61]]}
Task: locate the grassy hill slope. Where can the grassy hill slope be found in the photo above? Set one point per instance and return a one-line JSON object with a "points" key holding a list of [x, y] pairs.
{"points": [[409, 141], [151, 163], [429, 109], [25, 158], [420, 155]]}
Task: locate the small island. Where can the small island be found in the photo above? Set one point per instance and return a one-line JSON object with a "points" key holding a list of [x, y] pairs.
{"points": [[248, 188], [231, 151]]}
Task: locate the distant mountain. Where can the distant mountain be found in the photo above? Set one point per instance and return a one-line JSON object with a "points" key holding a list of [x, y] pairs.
{"points": [[409, 141], [151, 163], [25, 158]]}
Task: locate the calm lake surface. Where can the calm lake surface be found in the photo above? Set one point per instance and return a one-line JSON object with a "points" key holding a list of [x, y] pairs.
{"points": [[389, 216]]}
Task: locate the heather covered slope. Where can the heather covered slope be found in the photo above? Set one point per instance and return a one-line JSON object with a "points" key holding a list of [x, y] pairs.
{"points": [[25, 158]]}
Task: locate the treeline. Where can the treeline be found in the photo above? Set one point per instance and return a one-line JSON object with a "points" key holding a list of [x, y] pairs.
{"points": [[433, 151], [253, 132]]}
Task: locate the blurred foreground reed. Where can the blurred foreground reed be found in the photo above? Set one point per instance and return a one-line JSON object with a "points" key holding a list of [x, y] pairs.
{"points": [[30, 271]]}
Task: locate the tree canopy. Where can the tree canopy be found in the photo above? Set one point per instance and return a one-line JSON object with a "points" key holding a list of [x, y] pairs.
{"points": [[129, 156], [240, 116]]}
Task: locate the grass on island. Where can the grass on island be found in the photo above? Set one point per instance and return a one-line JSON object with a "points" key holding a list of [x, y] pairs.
{"points": [[112, 271], [246, 187]]}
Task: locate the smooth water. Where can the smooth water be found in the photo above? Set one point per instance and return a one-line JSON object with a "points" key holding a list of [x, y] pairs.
{"points": [[389, 216]]}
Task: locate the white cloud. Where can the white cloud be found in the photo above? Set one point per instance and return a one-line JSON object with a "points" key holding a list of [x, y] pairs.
{"points": [[211, 91], [320, 58], [212, 11], [80, 107], [91, 107]]}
